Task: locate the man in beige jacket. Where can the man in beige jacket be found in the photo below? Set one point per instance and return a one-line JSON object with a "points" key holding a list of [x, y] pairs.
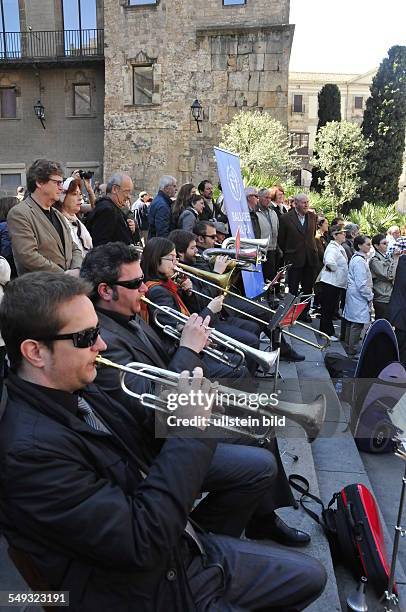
{"points": [[40, 238]]}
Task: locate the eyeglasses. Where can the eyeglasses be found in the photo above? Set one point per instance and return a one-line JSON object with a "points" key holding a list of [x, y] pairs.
{"points": [[81, 339], [134, 283], [172, 259], [59, 182], [212, 236]]}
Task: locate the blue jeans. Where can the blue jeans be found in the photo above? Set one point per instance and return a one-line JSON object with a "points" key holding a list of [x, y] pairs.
{"points": [[245, 575]]}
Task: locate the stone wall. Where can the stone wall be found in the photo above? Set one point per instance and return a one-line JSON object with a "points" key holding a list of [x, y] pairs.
{"points": [[74, 141], [228, 57]]}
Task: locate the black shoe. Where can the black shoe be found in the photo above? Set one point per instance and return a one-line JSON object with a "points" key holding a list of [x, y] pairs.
{"points": [[277, 530], [292, 356], [305, 318]]}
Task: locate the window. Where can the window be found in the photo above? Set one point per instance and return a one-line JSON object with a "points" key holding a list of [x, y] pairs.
{"points": [[141, 2], [8, 103], [10, 180], [79, 24], [143, 79], [81, 99], [298, 103], [301, 141], [9, 22], [359, 102], [232, 2]]}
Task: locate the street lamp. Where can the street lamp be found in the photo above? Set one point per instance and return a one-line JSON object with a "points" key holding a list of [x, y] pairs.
{"points": [[39, 111], [197, 113]]}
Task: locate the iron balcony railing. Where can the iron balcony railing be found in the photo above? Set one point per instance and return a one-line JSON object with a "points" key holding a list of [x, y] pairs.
{"points": [[51, 45]]}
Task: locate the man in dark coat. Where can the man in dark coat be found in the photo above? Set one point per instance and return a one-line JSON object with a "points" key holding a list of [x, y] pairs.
{"points": [[160, 211], [77, 500], [296, 239], [108, 222], [396, 313]]}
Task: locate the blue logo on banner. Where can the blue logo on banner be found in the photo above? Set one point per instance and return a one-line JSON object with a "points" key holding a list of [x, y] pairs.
{"points": [[235, 202]]}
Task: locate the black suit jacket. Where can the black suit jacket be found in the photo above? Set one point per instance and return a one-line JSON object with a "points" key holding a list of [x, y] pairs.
{"points": [[298, 242], [125, 346], [397, 302], [75, 499], [107, 223]]}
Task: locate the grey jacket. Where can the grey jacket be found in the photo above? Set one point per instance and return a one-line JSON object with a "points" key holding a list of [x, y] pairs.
{"points": [[269, 224], [383, 272]]}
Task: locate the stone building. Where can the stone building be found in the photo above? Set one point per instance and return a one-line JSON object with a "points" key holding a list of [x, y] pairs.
{"points": [[51, 58], [162, 55], [303, 110]]}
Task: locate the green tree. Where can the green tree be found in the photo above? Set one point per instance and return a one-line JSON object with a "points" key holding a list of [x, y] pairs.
{"points": [[262, 144], [340, 153], [329, 100], [384, 125]]}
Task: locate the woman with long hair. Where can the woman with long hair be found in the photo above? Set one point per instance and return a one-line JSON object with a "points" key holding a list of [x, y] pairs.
{"points": [[191, 214], [159, 262], [69, 205], [182, 201]]}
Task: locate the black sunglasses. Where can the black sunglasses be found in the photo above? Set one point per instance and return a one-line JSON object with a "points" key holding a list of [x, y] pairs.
{"points": [[81, 339], [135, 283], [208, 236]]}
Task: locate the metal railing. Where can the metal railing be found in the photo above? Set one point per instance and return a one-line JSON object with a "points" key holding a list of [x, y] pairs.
{"points": [[51, 45]]}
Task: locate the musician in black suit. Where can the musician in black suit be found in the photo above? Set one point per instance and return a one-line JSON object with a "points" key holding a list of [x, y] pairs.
{"points": [[130, 339]]}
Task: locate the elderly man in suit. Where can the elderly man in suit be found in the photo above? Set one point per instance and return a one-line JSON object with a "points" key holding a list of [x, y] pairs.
{"points": [[296, 239], [40, 237]]}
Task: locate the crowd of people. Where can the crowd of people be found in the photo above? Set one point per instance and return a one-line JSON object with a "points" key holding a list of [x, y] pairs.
{"points": [[91, 500]]}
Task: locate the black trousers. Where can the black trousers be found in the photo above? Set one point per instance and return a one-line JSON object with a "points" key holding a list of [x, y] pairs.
{"points": [[329, 300], [303, 277], [269, 265], [381, 309]]}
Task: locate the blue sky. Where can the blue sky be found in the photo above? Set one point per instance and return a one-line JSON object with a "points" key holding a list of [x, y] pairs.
{"points": [[345, 35]]}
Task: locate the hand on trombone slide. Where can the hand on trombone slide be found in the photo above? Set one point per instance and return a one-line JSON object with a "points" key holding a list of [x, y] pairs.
{"points": [[221, 263], [216, 304]]}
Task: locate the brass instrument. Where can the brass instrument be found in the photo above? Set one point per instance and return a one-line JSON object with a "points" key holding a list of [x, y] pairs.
{"points": [[261, 243], [266, 359], [211, 279], [309, 416], [244, 258]]}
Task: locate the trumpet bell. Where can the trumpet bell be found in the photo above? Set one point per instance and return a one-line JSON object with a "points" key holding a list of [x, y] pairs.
{"points": [[223, 281], [309, 416]]}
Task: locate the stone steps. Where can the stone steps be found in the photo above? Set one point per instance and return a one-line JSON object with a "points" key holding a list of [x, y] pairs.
{"points": [[337, 463]]}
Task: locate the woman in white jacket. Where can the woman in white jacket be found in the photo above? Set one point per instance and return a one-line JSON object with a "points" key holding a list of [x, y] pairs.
{"points": [[358, 301], [333, 279]]}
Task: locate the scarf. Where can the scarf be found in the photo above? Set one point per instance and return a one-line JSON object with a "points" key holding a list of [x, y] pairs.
{"points": [[173, 288]]}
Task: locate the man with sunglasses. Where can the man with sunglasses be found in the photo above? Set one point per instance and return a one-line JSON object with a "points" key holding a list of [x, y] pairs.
{"points": [[78, 504], [40, 238]]}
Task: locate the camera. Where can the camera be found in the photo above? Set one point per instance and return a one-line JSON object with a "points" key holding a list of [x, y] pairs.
{"points": [[85, 174]]}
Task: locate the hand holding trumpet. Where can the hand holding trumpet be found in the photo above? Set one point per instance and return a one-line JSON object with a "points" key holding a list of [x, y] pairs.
{"points": [[195, 333]]}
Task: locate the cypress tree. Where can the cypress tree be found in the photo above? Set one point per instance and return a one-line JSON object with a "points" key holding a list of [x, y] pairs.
{"points": [[384, 125], [329, 99]]}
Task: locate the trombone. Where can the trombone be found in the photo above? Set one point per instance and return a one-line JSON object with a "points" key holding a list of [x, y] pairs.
{"points": [[309, 416], [266, 359], [223, 281]]}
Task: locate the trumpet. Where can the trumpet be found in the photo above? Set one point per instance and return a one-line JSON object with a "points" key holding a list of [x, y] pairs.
{"points": [[218, 282], [261, 243], [309, 416], [266, 359]]}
